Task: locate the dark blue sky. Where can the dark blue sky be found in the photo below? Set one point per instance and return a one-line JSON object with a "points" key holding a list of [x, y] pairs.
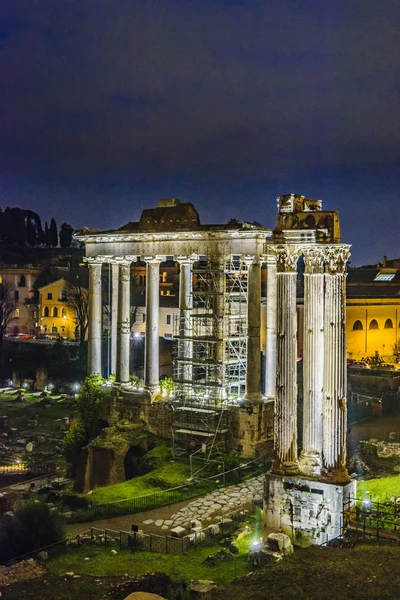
{"points": [[108, 105]]}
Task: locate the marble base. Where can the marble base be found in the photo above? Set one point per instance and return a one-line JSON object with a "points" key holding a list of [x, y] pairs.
{"points": [[309, 511]]}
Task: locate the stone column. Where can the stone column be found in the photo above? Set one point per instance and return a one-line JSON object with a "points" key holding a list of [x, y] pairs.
{"points": [[286, 385], [335, 371], [123, 321], [185, 326], [270, 350], [253, 359], [313, 360], [114, 315], [95, 320], [151, 357]]}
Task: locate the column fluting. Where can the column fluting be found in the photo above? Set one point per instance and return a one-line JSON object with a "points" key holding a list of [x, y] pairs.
{"points": [[286, 385], [335, 370], [313, 361]]}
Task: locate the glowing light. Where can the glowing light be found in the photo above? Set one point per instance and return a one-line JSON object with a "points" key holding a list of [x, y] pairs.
{"points": [[24, 385], [50, 386], [76, 386], [136, 335]]}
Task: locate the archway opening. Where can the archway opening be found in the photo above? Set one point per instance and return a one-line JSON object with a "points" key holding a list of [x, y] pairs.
{"points": [[133, 463]]}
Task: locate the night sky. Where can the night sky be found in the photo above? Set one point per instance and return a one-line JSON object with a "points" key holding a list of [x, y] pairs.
{"points": [[108, 105]]}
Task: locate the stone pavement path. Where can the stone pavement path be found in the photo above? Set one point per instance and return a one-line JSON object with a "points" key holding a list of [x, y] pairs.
{"points": [[207, 509]]}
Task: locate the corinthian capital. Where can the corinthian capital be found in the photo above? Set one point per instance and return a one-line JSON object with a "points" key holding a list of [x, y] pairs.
{"points": [[286, 258], [336, 257], [314, 257]]}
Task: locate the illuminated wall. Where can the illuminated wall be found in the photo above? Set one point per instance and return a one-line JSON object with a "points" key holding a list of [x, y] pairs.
{"points": [[56, 317], [373, 326]]}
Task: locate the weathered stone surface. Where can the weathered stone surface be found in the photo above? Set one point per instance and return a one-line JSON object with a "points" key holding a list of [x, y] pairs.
{"points": [[178, 531]]}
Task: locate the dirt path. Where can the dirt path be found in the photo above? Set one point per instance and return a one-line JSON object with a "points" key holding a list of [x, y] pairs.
{"points": [[125, 522]]}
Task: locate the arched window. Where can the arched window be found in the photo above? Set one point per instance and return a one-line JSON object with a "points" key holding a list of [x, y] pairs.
{"points": [[54, 329], [374, 324], [21, 282], [63, 312], [55, 311], [358, 326], [388, 324], [46, 311], [63, 329]]}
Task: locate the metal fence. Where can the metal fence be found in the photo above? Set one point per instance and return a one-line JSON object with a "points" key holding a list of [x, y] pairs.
{"points": [[14, 472], [372, 519], [163, 497]]}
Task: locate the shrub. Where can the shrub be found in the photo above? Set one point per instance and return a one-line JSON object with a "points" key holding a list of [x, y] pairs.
{"points": [[32, 527]]}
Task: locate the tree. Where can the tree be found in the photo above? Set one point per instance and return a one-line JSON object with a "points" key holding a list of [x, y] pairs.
{"points": [[8, 304], [65, 235], [77, 298], [53, 234], [92, 400]]}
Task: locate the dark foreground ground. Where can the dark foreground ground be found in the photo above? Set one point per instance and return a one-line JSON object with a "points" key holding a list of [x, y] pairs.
{"points": [[367, 572]]}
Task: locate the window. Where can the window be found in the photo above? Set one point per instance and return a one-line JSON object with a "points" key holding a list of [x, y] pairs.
{"points": [[358, 326], [385, 276], [64, 313], [168, 319], [16, 295], [63, 329], [46, 311], [16, 313], [55, 311], [143, 317], [54, 329], [168, 336], [388, 324], [374, 324], [49, 296], [21, 282]]}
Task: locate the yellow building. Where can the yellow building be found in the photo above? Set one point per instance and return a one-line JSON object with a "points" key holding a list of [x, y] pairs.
{"points": [[373, 312], [57, 319]]}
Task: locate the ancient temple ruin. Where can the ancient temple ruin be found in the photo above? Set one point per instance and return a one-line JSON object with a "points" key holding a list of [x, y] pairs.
{"points": [[217, 350], [217, 361], [305, 494]]}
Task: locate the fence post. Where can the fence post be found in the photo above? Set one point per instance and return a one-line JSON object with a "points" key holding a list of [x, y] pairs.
{"points": [[105, 537]]}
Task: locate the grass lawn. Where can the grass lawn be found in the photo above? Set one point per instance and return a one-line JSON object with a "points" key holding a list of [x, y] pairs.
{"points": [[102, 563], [381, 490], [168, 475]]}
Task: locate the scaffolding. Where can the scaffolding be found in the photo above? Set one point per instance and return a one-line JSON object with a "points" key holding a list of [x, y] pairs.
{"points": [[210, 350]]}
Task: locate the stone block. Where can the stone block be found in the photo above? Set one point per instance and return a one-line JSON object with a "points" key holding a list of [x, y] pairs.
{"points": [[178, 532], [280, 542]]}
